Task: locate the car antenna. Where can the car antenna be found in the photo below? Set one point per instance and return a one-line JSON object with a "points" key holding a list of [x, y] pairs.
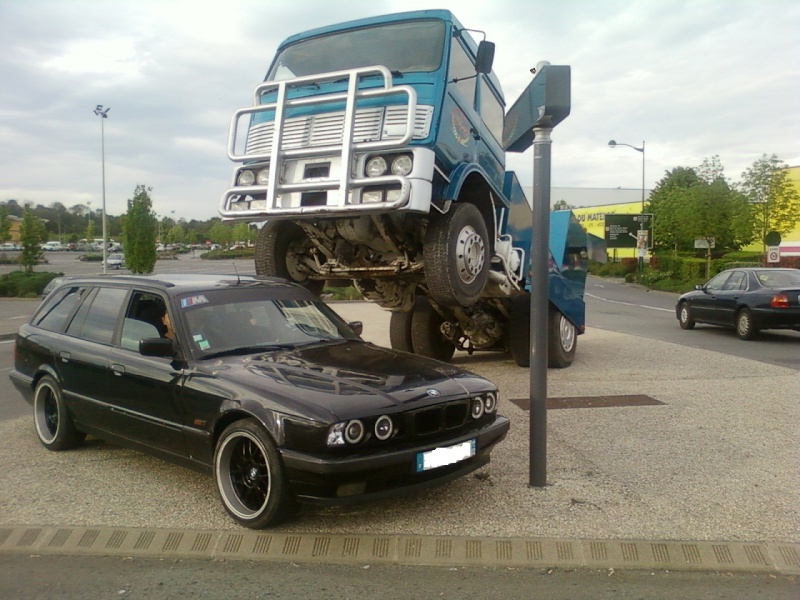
{"points": [[238, 279]]}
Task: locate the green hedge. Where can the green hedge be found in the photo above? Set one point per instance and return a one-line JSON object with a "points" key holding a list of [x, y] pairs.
{"points": [[25, 285]]}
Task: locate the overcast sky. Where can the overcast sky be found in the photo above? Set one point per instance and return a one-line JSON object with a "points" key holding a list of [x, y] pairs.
{"points": [[691, 78]]}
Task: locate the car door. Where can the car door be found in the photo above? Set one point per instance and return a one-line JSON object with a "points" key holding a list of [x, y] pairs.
{"points": [[705, 304], [146, 389], [728, 297]]}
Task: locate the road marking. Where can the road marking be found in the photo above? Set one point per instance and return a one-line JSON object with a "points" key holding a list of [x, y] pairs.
{"points": [[669, 310]]}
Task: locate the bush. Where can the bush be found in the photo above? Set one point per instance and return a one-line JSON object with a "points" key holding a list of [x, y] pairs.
{"points": [[25, 285], [228, 254], [341, 293]]}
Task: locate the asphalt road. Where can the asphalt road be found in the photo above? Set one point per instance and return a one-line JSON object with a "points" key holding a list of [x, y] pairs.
{"points": [[47, 577]]}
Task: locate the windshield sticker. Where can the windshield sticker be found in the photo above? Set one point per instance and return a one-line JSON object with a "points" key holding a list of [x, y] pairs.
{"points": [[193, 301]]}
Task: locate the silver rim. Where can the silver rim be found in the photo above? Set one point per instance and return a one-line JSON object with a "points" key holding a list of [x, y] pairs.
{"points": [[684, 314], [243, 475], [469, 254], [744, 323], [567, 334]]}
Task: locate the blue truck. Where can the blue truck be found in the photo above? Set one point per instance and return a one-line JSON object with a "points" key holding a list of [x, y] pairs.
{"points": [[374, 152]]}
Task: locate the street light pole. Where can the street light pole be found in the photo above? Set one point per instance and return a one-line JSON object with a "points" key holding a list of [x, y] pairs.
{"points": [[103, 114], [614, 144]]}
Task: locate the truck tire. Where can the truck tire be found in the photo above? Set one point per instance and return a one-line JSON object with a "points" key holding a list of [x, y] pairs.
{"points": [[278, 247], [561, 335], [519, 330], [562, 340], [400, 331], [426, 336], [456, 253]]}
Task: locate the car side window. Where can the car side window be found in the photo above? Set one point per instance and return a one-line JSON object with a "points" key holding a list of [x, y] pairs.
{"points": [[735, 282], [99, 321], [144, 318], [716, 283], [59, 307]]}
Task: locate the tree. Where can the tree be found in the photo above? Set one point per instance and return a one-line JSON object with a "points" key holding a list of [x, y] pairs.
{"points": [[775, 203], [90, 231], [31, 235], [220, 233], [139, 232], [5, 225], [562, 205]]}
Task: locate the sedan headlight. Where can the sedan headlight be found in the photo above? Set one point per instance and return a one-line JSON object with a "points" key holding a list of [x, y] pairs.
{"points": [[490, 403], [477, 407]]}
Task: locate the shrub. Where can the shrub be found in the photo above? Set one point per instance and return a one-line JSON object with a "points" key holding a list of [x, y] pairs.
{"points": [[25, 285]]}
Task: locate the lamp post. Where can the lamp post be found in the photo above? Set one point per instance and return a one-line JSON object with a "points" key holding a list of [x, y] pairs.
{"points": [[103, 114], [640, 253]]}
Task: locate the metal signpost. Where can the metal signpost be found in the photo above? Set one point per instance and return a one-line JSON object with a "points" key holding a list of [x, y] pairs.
{"points": [[542, 106]]}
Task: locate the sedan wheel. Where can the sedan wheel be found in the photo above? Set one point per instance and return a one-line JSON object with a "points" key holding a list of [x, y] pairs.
{"points": [[53, 422], [685, 317], [250, 476], [744, 325]]}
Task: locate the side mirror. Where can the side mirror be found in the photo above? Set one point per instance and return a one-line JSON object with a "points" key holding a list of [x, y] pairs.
{"points": [[700, 287], [356, 326], [485, 58], [162, 347]]}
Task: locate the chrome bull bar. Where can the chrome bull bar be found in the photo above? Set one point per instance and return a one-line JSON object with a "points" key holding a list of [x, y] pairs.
{"points": [[339, 186]]}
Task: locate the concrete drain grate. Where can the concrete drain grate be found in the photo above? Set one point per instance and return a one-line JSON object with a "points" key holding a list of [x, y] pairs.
{"points": [[592, 401]]}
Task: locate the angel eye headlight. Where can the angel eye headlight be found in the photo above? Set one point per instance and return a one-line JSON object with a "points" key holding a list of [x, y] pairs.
{"points": [[354, 431], [376, 166], [384, 428], [477, 408], [246, 177], [402, 165], [490, 403]]}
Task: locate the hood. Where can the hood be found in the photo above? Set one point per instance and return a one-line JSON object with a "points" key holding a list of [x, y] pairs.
{"points": [[344, 379]]}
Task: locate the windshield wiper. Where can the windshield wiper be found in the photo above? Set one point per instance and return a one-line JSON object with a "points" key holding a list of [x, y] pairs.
{"points": [[250, 350]]}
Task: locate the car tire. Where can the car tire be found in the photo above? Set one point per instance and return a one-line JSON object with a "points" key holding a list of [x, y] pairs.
{"points": [[52, 419], [562, 340], [250, 476], [400, 330], [745, 328], [685, 319], [519, 330], [456, 253], [426, 335], [278, 246]]}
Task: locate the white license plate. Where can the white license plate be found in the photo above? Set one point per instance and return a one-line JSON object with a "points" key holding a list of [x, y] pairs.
{"points": [[441, 457]]}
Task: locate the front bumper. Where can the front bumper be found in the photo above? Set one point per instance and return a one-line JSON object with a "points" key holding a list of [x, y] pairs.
{"points": [[332, 481]]}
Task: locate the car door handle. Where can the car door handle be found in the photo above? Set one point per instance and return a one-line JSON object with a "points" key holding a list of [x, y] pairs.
{"points": [[64, 356], [119, 370]]}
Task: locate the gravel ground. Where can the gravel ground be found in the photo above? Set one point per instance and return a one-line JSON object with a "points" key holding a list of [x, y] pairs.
{"points": [[717, 461]]}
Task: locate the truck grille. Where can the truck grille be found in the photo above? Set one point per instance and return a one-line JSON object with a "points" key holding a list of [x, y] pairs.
{"points": [[371, 124]]}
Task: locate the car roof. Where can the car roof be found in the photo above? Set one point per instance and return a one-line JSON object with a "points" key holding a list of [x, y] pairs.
{"points": [[175, 284]]}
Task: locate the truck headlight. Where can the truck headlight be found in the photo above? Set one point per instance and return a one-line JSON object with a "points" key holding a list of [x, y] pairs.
{"points": [[376, 166], [402, 165], [263, 177], [245, 178]]}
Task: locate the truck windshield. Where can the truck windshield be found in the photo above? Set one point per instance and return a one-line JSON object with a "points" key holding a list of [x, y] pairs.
{"points": [[412, 46]]}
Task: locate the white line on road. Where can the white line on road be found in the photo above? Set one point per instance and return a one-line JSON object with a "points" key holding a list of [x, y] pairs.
{"points": [[669, 310]]}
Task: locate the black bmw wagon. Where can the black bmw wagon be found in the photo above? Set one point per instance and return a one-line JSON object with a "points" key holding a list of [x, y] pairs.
{"points": [[253, 380]]}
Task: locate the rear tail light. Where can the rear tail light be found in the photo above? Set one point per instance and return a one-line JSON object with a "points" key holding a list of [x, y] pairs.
{"points": [[779, 301]]}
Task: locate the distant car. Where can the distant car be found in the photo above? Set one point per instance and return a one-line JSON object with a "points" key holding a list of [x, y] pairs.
{"points": [[52, 246], [748, 300], [253, 380], [10, 247], [115, 261]]}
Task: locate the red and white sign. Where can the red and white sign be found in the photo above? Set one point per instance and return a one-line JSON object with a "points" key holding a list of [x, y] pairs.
{"points": [[773, 254]]}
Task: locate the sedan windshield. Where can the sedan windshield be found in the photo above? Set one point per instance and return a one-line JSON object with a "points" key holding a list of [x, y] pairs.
{"points": [[225, 322], [403, 47]]}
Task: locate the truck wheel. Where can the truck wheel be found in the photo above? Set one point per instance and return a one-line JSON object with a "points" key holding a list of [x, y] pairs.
{"points": [[562, 340], [456, 256], [519, 330], [279, 246], [426, 336], [400, 331], [250, 477]]}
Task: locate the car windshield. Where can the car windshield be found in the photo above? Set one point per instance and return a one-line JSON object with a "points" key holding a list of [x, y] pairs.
{"points": [[404, 47], [779, 279], [249, 320]]}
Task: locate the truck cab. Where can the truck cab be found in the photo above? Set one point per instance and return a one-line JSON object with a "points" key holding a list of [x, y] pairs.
{"points": [[372, 152]]}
